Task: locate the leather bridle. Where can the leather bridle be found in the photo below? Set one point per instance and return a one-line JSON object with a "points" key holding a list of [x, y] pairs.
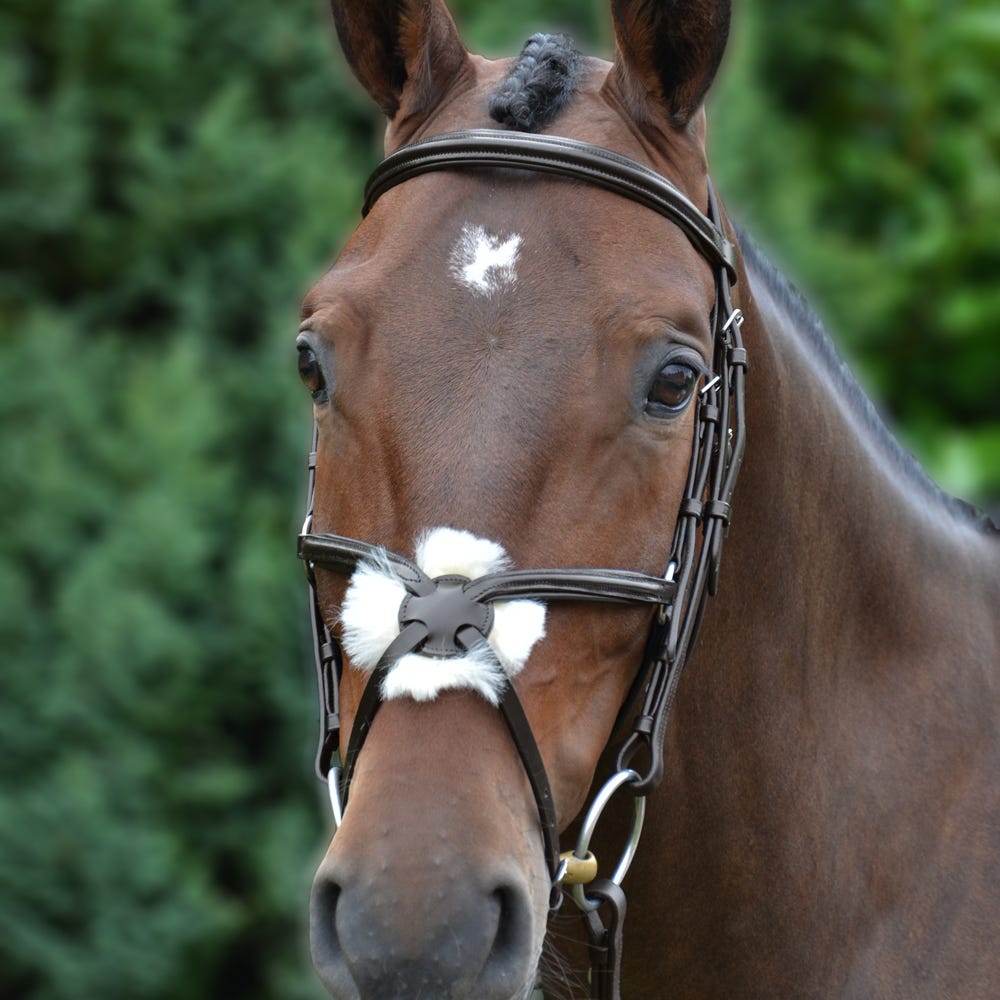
{"points": [[457, 613]]}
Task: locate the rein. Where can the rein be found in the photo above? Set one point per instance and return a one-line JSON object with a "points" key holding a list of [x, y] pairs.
{"points": [[452, 614]]}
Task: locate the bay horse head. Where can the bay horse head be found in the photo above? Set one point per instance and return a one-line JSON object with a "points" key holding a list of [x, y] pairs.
{"points": [[504, 365], [527, 374]]}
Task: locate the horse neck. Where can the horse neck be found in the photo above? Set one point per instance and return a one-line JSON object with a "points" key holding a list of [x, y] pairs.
{"points": [[844, 534], [849, 584]]}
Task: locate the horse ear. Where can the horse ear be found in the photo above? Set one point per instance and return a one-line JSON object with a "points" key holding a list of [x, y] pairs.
{"points": [[402, 51], [668, 53]]}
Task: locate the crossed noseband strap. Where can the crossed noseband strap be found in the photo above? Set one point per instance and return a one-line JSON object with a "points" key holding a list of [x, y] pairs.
{"points": [[618, 586], [447, 616]]}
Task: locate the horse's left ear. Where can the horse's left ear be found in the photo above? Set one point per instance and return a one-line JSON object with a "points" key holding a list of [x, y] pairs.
{"points": [[668, 54], [406, 53]]}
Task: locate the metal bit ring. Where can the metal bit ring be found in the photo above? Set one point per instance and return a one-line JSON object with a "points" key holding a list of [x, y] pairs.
{"points": [[616, 781]]}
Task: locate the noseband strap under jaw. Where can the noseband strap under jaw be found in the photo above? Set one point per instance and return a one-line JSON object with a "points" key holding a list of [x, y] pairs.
{"points": [[453, 614]]}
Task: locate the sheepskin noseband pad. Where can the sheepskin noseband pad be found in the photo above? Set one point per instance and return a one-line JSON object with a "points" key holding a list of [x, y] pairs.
{"points": [[469, 644]]}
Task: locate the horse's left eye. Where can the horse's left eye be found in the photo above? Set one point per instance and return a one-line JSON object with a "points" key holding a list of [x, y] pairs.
{"points": [[311, 373], [671, 390]]}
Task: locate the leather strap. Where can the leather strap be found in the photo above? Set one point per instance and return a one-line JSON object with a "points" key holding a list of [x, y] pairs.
{"points": [[343, 555], [371, 698], [618, 586], [606, 942], [608, 585], [549, 154], [410, 638], [534, 768]]}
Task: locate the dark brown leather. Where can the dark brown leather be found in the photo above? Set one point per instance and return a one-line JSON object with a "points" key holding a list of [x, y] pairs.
{"points": [[605, 942], [534, 768], [565, 158], [448, 613], [609, 585]]}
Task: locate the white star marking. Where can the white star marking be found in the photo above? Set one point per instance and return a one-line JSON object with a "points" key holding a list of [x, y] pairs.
{"points": [[483, 262]]}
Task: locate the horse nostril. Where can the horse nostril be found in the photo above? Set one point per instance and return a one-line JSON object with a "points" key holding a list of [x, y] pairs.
{"points": [[326, 948], [507, 924], [511, 952]]}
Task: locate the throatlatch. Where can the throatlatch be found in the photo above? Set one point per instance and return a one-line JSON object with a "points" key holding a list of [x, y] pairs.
{"points": [[454, 614]]}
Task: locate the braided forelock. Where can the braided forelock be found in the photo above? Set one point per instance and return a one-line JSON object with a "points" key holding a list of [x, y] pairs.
{"points": [[539, 85]]}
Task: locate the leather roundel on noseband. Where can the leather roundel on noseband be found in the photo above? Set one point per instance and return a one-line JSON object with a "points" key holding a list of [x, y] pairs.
{"points": [[457, 615]]}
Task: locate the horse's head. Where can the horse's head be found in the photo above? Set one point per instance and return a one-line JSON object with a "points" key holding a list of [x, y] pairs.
{"points": [[503, 365]]}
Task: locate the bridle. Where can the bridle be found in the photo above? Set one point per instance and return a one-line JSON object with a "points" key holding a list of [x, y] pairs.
{"points": [[454, 614]]}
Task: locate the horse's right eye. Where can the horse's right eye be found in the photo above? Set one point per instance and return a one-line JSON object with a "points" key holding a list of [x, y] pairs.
{"points": [[311, 372]]}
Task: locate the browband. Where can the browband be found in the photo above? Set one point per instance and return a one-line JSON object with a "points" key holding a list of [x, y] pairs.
{"points": [[564, 158]]}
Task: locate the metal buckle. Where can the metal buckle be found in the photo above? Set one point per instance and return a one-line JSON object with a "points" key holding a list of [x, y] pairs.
{"points": [[737, 317], [710, 385], [333, 788], [664, 611]]}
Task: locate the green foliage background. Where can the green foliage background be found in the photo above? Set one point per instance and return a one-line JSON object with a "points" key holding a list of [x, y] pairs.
{"points": [[174, 174]]}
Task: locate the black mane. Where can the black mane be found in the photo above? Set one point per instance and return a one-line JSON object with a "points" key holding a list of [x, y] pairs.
{"points": [[539, 85], [807, 322]]}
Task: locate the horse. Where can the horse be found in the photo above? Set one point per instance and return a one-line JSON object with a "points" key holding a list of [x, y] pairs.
{"points": [[534, 368]]}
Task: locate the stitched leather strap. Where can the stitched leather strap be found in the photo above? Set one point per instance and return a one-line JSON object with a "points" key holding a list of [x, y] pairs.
{"points": [[343, 555], [608, 585], [606, 942], [563, 157], [534, 768], [371, 697], [619, 586], [511, 709]]}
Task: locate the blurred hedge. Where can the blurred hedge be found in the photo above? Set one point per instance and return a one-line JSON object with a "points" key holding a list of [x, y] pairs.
{"points": [[175, 172], [860, 142]]}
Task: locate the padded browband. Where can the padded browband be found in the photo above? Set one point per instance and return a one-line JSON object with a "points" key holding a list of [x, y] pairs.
{"points": [[564, 158], [610, 585]]}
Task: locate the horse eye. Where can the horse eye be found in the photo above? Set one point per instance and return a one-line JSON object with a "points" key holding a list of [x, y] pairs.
{"points": [[671, 390], [311, 373]]}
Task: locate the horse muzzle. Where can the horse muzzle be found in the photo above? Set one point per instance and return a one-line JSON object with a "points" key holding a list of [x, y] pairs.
{"points": [[442, 901], [471, 939]]}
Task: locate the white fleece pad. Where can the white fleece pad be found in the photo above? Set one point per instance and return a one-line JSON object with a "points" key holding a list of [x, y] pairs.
{"points": [[370, 617]]}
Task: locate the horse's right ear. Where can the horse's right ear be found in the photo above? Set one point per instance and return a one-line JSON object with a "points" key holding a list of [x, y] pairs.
{"points": [[404, 52]]}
